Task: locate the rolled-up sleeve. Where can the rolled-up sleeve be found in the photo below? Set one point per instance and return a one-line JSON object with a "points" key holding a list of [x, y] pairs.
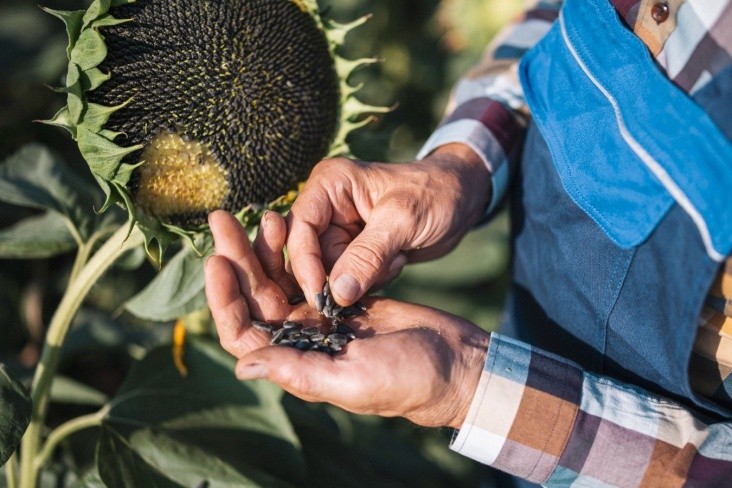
{"points": [[541, 417], [487, 110]]}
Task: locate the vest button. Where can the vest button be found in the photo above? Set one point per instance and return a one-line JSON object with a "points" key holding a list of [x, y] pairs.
{"points": [[660, 12]]}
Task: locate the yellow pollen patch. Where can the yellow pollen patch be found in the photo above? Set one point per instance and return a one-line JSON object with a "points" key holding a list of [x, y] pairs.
{"points": [[179, 177], [300, 5]]}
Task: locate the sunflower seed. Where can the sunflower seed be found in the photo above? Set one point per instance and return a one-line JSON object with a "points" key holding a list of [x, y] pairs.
{"points": [[277, 336], [290, 324], [337, 339], [310, 331], [303, 345], [319, 302], [296, 300], [263, 326], [317, 338]]}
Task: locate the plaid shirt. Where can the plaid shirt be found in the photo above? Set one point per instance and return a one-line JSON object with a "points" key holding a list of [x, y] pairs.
{"points": [[540, 416]]}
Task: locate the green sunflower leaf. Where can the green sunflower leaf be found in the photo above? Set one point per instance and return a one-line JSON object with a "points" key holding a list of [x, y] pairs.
{"points": [[74, 95], [62, 119], [15, 413], [36, 237], [92, 78], [176, 291], [337, 32], [119, 464], [69, 391], [97, 115], [89, 50], [180, 431], [35, 177], [103, 155], [96, 10], [73, 21]]}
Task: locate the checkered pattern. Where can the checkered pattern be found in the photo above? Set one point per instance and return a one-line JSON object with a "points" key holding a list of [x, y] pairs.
{"points": [[488, 112], [537, 415], [543, 418], [710, 367]]}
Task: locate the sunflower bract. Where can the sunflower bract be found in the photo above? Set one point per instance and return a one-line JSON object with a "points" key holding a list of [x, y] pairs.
{"points": [[250, 84]]}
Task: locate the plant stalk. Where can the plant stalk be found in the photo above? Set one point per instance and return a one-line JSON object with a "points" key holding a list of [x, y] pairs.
{"points": [[11, 470], [66, 429], [120, 242]]}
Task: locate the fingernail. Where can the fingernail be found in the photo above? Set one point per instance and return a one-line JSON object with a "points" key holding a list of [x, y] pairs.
{"points": [[346, 287], [253, 371]]}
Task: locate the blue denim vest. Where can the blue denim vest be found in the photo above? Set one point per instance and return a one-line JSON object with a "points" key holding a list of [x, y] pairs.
{"points": [[622, 205]]}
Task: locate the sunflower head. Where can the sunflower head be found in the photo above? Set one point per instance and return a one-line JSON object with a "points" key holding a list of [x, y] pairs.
{"points": [[184, 107]]}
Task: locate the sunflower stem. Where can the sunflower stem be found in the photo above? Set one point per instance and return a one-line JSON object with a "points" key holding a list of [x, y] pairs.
{"points": [[66, 429], [11, 470], [120, 242], [85, 250]]}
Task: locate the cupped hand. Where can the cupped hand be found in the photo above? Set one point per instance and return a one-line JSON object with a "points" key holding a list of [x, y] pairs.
{"points": [[408, 360], [366, 220]]}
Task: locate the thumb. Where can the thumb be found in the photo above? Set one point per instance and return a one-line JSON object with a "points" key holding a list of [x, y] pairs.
{"points": [[309, 376], [369, 258]]}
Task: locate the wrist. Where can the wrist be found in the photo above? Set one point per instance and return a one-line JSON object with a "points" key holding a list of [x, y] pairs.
{"points": [[471, 176], [473, 356]]}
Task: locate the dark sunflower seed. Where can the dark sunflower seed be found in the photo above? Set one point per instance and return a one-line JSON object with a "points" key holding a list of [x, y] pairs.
{"points": [[296, 300], [291, 324], [326, 289], [310, 331], [303, 345], [342, 328], [338, 339], [319, 302], [263, 326], [277, 336], [317, 338], [352, 311], [334, 348]]}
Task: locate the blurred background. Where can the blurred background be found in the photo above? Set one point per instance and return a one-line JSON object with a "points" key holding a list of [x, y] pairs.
{"points": [[425, 46]]}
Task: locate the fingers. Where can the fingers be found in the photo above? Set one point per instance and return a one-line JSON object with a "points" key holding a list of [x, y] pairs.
{"points": [[373, 255], [229, 308], [309, 376], [334, 241], [308, 218], [268, 246], [265, 299]]}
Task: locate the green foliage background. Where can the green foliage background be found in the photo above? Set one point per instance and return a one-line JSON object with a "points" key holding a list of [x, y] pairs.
{"points": [[425, 45]]}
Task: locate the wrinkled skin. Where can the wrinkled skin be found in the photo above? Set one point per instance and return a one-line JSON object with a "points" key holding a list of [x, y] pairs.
{"points": [[366, 220], [408, 360]]}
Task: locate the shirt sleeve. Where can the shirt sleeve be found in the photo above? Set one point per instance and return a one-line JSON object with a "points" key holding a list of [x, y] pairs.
{"points": [[487, 110], [541, 417]]}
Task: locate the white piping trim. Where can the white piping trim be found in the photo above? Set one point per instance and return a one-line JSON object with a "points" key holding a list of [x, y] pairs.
{"points": [[647, 159]]}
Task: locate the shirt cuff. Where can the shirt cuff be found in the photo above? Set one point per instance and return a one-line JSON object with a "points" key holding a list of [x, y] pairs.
{"points": [[489, 129], [523, 411]]}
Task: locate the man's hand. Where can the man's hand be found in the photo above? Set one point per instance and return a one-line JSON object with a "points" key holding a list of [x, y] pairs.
{"points": [[365, 221], [408, 360]]}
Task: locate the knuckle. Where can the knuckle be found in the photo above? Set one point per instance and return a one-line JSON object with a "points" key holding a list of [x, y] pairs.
{"points": [[229, 345], [368, 258], [291, 375]]}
